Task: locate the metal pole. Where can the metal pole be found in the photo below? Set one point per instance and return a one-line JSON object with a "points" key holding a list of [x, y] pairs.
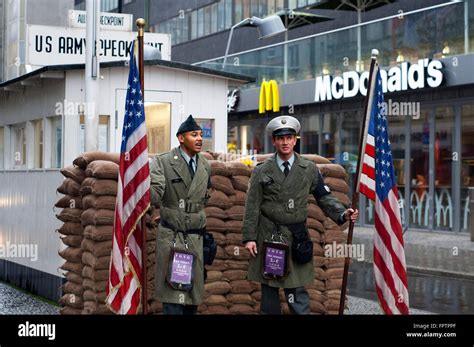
{"points": [[92, 72], [466, 27], [141, 67], [355, 194]]}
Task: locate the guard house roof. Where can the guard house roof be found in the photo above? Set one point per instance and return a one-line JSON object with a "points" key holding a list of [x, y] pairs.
{"points": [[160, 63]]}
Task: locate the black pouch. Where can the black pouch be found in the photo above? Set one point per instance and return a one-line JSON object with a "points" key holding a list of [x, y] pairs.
{"points": [[209, 248], [181, 269], [302, 246]]}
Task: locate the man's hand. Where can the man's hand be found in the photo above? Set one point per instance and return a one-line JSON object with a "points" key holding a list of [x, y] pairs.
{"points": [[351, 214], [251, 246]]}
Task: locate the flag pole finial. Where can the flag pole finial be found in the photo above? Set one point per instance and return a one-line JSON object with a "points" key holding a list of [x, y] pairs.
{"points": [[140, 22], [375, 53]]}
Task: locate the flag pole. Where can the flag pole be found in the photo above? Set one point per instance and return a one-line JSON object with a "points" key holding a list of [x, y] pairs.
{"points": [[355, 191], [141, 70]]}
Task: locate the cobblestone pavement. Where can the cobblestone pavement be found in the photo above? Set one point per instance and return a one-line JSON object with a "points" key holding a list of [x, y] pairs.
{"points": [[365, 306], [14, 301]]}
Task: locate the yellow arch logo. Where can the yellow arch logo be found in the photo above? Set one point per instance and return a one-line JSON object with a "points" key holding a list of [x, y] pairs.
{"points": [[269, 97]]}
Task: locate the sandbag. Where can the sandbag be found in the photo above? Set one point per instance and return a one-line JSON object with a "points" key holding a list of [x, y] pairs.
{"points": [[219, 199], [73, 277], [317, 159], [69, 187], [237, 168], [98, 249], [342, 197], [68, 310], [99, 232], [234, 275], [72, 240], [69, 202], [315, 212], [315, 224], [73, 288], [86, 158], [218, 168], [335, 235], [237, 252], [92, 216], [92, 307], [100, 286], [332, 170], [213, 276], [238, 198], [71, 215], [236, 212], [215, 224], [90, 295], [215, 212], [95, 263], [92, 185], [95, 275], [106, 202], [215, 299], [71, 300], [71, 254], [240, 183], [74, 173], [102, 169], [72, 267], [70, 228], [222, 184], [219, 287], [337, 184], [242, 309], [234, 226], [243, 287]]}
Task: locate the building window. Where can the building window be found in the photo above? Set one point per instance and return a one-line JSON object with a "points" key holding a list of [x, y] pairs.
{"points": [[467, 163], [56, 137], [158, 125], [2, 147], [419, 167], [238, 11], [37, 144], [103, 145], [200, 22], [18, 146], [208, 131], [228, 13], [214, 17]]}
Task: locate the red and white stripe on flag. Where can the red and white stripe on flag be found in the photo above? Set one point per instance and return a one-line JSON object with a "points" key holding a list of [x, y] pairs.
{"points": [[133, 200], [378, 183]]}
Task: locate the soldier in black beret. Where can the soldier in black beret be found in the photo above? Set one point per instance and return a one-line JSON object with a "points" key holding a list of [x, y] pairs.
{"points": [[180, 180]]}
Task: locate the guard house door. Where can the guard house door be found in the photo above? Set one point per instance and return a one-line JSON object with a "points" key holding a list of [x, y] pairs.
{"points": [[163, 115]]}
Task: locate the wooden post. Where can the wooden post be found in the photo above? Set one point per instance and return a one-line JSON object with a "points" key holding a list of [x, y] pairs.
{"points": [[141, 70], [355, 191]]}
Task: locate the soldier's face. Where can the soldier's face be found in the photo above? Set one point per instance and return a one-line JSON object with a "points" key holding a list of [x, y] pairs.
{"points": [[191, 141], [284, 144]]}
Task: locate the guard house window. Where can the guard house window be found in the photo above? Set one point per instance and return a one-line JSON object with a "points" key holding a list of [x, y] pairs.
{"points": [[158, 125], [2, 147], [37, 144], [56, 141], [18, 145], [103, 134]]}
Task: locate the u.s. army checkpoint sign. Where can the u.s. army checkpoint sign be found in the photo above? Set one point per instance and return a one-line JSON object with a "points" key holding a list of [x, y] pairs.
{"points": [[48, 45]]}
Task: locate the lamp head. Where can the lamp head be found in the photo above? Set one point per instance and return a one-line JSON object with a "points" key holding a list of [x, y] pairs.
{"points": [[268, 26]]}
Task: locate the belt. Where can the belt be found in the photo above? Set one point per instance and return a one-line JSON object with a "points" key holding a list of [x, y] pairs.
{"points": [[189, 207], [291, 226], [201, 231]]}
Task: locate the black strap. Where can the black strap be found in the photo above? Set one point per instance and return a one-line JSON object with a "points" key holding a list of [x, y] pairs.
{"points": [[201, 231]]}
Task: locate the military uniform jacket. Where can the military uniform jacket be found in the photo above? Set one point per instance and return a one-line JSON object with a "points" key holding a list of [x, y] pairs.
{"points": [[273, 198], [181, 200]]}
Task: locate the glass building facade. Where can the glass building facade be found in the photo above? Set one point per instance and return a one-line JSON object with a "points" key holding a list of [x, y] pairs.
{"points": [[433, 150]]}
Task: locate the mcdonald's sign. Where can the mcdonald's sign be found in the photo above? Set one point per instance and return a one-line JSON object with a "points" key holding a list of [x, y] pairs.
{"points": [[269, 97]]}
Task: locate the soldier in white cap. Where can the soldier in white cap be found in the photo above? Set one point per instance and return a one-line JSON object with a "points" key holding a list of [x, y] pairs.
{"points": [[274, 229]]}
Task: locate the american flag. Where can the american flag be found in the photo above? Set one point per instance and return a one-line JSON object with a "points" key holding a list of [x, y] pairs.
{"points": [[133, 200], [377, 182]]}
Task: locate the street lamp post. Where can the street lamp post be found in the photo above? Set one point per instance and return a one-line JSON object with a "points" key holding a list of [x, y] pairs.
{"points": [[267, 27]]}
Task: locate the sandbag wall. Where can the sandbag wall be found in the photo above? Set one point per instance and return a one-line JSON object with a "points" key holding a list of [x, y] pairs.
{"points": [[71, 233], [227, 290], [94, 189]]}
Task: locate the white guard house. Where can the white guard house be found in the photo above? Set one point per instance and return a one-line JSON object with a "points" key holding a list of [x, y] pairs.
{"points": [[42, 130]]}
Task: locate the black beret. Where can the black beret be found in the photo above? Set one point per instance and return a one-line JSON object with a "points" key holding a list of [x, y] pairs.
{"points": [[188, 125]]}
